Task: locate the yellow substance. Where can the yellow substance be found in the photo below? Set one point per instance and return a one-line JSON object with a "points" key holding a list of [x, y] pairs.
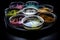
{"points": [[47, 18], [12, 13], [32, 28], [33, 25], [45, 10]]}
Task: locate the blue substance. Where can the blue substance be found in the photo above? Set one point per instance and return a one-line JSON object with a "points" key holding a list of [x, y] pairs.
{"points": [[33, 4], [36, 6]]}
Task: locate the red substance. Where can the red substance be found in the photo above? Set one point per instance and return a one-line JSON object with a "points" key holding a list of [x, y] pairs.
{"points": [[14, 21]]}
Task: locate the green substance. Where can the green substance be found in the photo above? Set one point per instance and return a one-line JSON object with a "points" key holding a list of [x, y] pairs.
{"points": [[12, 13]]}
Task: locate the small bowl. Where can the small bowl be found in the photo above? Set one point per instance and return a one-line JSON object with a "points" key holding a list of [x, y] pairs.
{"points": [[11, 12], [45, 8], [16, 20], [29, 11], [17, 5], [48, 17], [32, 3], [32, 22]]}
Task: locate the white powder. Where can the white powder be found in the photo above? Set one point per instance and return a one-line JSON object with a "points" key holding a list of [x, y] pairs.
{"points": [[32, 24]]}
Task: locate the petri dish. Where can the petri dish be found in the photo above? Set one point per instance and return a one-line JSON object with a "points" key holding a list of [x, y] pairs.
{"points": [[18, 5], [11, 12], [45, 8], [33, 22]]}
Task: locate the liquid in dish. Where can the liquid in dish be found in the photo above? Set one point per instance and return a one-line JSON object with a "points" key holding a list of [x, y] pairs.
{"points": [[11, 12], [45, 10], [49, 18], [16, 20], [32, 22]]}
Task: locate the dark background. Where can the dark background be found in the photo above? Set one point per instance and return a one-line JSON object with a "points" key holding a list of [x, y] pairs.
{"points": [[5, 3]]}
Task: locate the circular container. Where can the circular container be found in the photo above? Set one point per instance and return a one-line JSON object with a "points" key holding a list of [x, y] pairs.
{"points": [[29, 11], [32, 3], [11, 12], [49, 20], [48, 17], [16, 20], [32, 22], [21, 31], [45, 8], [18, 5]]}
